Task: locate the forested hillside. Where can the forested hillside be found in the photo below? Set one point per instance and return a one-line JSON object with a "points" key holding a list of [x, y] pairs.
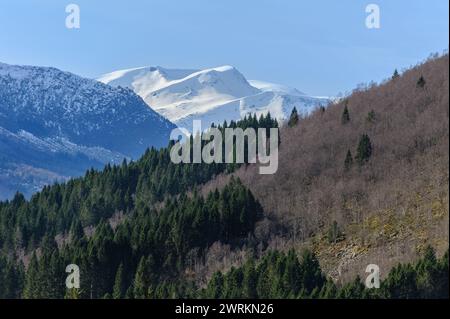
{"points": [[363, 181], [366, 179]]}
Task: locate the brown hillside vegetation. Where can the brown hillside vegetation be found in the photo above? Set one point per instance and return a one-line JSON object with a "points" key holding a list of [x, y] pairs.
{"points": [[388, 209]]}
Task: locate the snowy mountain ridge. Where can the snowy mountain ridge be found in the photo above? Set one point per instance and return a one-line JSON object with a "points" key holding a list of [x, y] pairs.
{"points": [[56, 124], [212, 95]]}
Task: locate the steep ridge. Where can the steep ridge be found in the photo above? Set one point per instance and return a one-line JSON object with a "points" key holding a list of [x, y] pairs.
{"points": [[62, 124], [212, 95]]}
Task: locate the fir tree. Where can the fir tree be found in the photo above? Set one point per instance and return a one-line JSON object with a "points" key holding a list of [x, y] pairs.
{"points": [[364, 151], [215, 287], [119, 286], [371, 117], [140, 281], [250, 280], [421, 82], [395, 75], [345, 118], [31, 289], [348, 161], [293, 119]]}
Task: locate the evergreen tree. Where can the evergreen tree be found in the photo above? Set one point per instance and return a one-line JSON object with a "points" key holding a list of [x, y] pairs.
{"points": [[293, 119], [401, 283], [140, 280], [76, 231], [348, 161], [395, 75], [364, 151], [291, 276], [311, 276], [215, 286], [31, 289], [371, 117], [421, 82], [329, 290], [119, 285], [250, 280], [345, 118]]}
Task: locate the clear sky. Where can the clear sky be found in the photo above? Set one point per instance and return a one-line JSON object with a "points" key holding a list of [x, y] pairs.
{"points": [[321, 47]]}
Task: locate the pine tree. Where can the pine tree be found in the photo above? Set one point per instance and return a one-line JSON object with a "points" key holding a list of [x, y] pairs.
{"points": [[291, 276], [421, 82], [250, 280], [329, 290], [395, 75], [119, 287], [31, 289], [139, 284], [311, 276], [345, 118], [364, 151], [348, 161], [371, 117], [9, 282], [72, 293], [293, 119], [215, 286], [76, 231]]}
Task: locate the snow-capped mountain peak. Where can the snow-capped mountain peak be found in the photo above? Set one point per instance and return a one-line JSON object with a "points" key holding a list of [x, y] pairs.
{"points": [[60, 124], [273, 87], [212, 95]]}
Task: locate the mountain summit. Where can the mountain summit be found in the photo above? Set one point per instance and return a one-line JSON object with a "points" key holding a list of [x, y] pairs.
{"points": [[211, 95]]}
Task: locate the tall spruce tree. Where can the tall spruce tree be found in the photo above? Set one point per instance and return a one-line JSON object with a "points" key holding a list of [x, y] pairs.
{"points": [[395, 75], [364, 151], [421, 82], [371, 117], [293, 119], [119, 285], [140, 280], [31, 289], [345, 118], [348, 161], [250, 279]]}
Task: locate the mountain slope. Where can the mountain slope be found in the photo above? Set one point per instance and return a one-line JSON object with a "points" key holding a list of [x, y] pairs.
{"points": [[383, 210], [211, 95], [58, 124], [388, 208]]}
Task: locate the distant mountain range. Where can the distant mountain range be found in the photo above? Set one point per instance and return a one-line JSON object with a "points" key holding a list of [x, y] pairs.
{"points": [[55, 124], [211, 95]]}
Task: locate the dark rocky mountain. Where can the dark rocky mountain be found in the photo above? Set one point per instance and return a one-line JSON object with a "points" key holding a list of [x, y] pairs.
{"points": [[54, 125]]}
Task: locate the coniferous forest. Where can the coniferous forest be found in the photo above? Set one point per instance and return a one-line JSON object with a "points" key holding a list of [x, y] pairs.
{"points": [[146, 229]]}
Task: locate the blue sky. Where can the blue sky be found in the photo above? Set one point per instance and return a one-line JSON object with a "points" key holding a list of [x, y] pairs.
{"points": [[322, 47]]}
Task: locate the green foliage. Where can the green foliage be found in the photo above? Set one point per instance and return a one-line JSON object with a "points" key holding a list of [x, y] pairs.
{"points": [[371, 117], [345, 117], [421, 82], [364, 151], [119, 288], [85, 201], [334, 234], [396, 75], [146, 255], [293, 119], [276, 276], [280, 275]]}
